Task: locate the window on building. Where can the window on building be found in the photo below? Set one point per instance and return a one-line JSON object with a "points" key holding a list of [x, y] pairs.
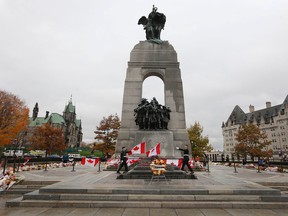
{"points": [[230, 133]]}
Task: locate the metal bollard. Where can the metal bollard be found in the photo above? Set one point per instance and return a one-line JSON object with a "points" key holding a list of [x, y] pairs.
{"points": [[235, 171], [99, 166], [73, 170]]}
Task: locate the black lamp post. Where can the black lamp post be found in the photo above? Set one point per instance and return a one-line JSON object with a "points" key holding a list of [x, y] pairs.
{"points": [[5, 163], [233, 158], [46, 162], [73, 170], [193, 144], [99, 165], [19, 158], [14, 155], [207, 161], [280, 152], [281, 159]]}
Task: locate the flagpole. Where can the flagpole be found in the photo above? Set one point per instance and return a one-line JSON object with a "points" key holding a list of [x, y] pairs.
{"points": [[99, 165]]}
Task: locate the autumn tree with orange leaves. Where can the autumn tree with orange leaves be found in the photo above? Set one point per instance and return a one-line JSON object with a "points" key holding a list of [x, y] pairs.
{"points": [[14, 118], [252, 141], [48, 138], [107, 133]]}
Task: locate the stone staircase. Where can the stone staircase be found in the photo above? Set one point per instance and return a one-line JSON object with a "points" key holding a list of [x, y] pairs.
{"points": [[144, 172], [282, 186], [27, 186], [151, 197]]}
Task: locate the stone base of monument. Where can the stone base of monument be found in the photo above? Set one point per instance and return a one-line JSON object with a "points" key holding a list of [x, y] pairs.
{"points": [[144, 172]]}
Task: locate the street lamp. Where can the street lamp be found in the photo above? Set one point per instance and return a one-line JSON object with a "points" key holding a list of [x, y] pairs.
{"points": [[14, 154], [280, 153], [233, 159], [46, 162], [5, 162], [207, 160], [19, 161], [193, 144]]}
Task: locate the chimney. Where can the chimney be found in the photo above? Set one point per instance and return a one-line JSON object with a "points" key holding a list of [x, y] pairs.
{"points": [[251, 108], [47, 114], [268, 104]]}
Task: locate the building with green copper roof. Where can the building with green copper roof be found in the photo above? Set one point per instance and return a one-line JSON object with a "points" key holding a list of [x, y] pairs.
{"points": [[71, 127]]}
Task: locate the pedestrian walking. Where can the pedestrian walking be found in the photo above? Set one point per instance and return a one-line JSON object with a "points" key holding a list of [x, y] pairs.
{"points": [[185, 158], [123, 160]]}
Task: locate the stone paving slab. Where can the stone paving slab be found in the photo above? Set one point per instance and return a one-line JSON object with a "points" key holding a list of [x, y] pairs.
{"points": [[140, 212], [220, 178]]}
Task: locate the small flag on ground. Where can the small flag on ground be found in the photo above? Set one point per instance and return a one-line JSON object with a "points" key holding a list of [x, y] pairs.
{"points": [[90, 161], [131, 161], [26, 161], [174, 162]]}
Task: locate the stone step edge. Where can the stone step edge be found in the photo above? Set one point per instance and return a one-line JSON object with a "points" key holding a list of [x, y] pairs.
{"points": [[17, 186], [133, 197], [153, 204], [162, 191], [37, 182], [22, 191], [284, 184]]}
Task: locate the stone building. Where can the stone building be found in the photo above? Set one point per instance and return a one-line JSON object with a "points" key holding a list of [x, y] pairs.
{"points": [[71, 127], [273, 120]]}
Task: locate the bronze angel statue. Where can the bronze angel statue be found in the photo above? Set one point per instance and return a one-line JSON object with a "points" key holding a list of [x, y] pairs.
{"points": [[153, 24]]}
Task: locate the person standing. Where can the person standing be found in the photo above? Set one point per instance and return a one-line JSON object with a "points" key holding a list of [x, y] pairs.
{"points": [[123, 160], [185, 158]]}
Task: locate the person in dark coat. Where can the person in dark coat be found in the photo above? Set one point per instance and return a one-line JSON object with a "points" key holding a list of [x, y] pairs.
{"points": [[123, 160], [185, 158]]}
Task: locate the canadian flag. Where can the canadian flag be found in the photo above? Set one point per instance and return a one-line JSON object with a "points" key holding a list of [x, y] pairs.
{"points": [[191, 162], [26, 161], [131, 161], [174, 162], [90, 162], [113, 162], [154, 151], [138, 149]]}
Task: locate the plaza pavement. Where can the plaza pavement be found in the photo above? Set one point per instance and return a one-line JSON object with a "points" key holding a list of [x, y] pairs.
{"points": [[219, 177]]}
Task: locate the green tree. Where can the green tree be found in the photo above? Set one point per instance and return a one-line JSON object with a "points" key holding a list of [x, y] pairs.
{"points": [[106, 134], [252, 141], [199, 143]]}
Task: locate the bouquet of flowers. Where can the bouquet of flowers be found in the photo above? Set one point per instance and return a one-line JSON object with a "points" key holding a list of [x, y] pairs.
{"points": [[158, 166], [8, 179]]}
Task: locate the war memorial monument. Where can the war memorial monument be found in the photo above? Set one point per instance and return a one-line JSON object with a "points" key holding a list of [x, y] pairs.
{"points": [[153, 57], [215, 193], [151, 122]]}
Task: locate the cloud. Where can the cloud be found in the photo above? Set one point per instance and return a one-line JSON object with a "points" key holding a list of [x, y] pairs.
{"points": [[230, 53]]}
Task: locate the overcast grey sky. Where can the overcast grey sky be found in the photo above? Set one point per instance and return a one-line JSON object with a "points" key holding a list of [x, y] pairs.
{"points": [[230, 53]]}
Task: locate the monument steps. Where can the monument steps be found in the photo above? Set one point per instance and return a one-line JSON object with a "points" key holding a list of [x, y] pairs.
{"points": [[27, 186], [151, 198], [282, 186]]}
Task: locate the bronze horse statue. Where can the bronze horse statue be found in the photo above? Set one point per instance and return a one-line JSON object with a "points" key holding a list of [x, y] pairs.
{"points": [[153, 24]]}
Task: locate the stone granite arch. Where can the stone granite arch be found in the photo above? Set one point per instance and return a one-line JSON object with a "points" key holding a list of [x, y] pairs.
{"points": [[151, 59]]}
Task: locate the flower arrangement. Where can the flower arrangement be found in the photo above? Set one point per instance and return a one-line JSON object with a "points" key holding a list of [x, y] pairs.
{"points": [[158, 166], [9, 179]]}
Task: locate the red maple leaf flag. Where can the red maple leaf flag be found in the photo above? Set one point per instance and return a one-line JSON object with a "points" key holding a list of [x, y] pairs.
{"points": [[154, 151], [138, 149], [26, 161], [191, 162], [90, 162], [174, 162], [131, 161]]}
